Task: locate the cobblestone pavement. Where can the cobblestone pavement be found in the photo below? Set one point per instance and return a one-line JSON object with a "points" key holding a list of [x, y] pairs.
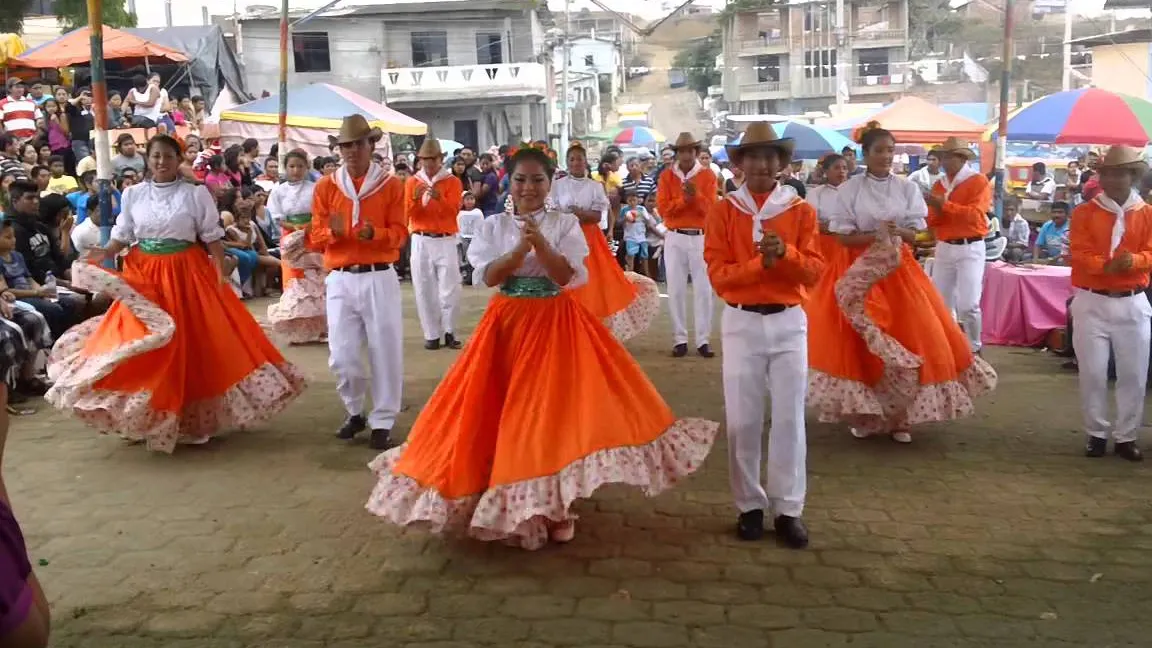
{"points": [[990, 532]]}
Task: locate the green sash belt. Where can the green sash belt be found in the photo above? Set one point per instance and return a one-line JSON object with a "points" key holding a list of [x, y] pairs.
{"points": [[298, 219], [529, 287], [164, 246]]}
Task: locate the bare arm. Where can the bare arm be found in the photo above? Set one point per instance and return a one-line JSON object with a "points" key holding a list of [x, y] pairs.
{"points": [[216, 249], [558, 268], [502, 268]]}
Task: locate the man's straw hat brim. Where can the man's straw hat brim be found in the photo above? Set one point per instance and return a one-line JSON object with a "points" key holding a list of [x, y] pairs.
{"points": [[761, 135]]}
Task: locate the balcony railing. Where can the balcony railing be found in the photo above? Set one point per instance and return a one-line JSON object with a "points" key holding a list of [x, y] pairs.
{"points": [[756, 46], [878, 84], [863, 37], [464, 82], [763, 87]]}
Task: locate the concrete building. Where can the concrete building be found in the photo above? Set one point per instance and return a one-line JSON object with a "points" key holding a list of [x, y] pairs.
{"points": [[796, 58], [476, 71], [1121, 61], [599, 57], [584, 108], [606, 25]]}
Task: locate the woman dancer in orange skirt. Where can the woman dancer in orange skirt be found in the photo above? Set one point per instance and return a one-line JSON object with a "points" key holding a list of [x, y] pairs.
{"points": [[543, 407], [177, 358], [821, 305], [626, 301], [895, 355], [299, 317]]}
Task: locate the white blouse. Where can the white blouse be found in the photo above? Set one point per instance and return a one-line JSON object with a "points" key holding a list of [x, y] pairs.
{"points": [[865, 201], [500, 234], [170, 210], [570, 193], [289, 198], [823, 199]]}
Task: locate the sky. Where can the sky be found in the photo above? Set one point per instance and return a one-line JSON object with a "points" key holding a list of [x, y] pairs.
{"points": [[189, 12]]}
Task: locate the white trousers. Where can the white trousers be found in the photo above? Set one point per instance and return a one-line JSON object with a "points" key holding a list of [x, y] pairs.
{"points": [[364, 310], [1112, 326], [766, 356], [958, 273], [435, 264], [684, 257]]}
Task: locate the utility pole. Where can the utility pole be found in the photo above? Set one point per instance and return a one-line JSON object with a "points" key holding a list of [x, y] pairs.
{"points": [[1005, 81], [103, 152], [168, 12], [282, 130], [1067, 46], [566, 53]]}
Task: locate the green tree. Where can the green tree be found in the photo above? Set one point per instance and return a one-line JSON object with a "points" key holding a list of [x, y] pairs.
{"points": [[698, 61], [70, 14], [12, 15]]}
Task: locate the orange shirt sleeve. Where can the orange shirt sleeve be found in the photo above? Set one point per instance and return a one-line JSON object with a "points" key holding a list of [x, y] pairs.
{"points": [[669, 195], [411, 185], [1142, 257], [725, 270], [1080, 242], [967, 208], [707, 192], [802, 262], [450, 199], [319, 234], [391, 227]]}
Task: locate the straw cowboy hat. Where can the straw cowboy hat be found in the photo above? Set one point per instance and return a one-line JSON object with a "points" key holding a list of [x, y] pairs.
{"points": [[353, 129], [430, 149], [1123, 157], [761, 135], [955, 146], [686, 140]]}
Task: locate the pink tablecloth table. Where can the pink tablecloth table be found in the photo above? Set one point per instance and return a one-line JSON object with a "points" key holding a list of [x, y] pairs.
{"points": [[1021, 304]]}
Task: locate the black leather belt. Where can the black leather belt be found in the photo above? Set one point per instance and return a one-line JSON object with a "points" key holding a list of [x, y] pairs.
{"points": [[688, 231], [762, 309], [361, 268], [963, 241], [434, 234], [1114, 293]]}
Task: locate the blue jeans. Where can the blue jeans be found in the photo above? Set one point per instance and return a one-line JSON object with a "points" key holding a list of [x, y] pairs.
{"points": [[246, 261]]}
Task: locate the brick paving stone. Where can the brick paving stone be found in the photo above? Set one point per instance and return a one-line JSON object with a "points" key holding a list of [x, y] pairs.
{"points": [[985, 533]]}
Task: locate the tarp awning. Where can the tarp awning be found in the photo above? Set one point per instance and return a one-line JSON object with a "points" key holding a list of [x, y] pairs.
{"points": [[211, 60], [322, 105], [913, 120], [10, 45], [75, 48]]}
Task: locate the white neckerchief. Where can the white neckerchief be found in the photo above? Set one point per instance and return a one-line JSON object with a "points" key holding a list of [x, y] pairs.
{"points": [[780, 200], [949, 184], [374, 180], [1134, 202], [444, 172], [696, 168]]}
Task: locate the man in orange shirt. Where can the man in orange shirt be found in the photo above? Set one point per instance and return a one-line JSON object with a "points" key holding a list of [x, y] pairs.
{"points": [[685, 192], [358, 223], [431, 202], [958, 207], [761, 252], [1111, 255]]}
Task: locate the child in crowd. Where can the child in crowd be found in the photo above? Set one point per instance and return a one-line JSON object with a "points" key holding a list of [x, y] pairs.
{"points": [[468, 221], [655, 232], [635, 230], [116, 117], [60, 183], [246, 244], [24, 288], [86, 233]]}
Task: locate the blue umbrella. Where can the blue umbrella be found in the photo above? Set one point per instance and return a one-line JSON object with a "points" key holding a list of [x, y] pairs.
{"points": [[812, 142]]}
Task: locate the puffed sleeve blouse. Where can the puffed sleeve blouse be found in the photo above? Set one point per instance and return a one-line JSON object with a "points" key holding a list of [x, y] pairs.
{"points": [[570, 193], [500, 233], [865, 201], [170, 210]]}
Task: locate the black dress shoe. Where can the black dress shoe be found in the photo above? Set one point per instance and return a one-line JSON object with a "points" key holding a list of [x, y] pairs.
{"points": [[1129, 451], [353, 425], [432, 345], [381, 440], [1096, 447], [451, 342], [705, 351], [750, 525], [680, 350], [791, 531]]}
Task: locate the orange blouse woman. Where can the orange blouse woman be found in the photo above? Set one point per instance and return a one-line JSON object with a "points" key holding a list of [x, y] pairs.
{"points": [[899, 358], [543, 407], [178, 357]]}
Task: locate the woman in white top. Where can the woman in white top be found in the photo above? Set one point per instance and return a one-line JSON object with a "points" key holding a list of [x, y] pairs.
{"points": [[544, 406], [896, 356], [626, 301], [177, 358], [300, 316]]}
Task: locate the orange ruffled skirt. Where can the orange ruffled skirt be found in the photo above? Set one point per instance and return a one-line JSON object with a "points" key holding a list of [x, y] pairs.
{"points": [[542, 408], [176, 359], [301, 314], [885, 352], [626, 301]]}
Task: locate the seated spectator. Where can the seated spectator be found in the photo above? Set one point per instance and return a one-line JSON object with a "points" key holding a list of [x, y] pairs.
{"points": [[86, 233], [26, 289], [244, 242], [116, 118], [41, 176], [80, 201], [217, 177], [127, 156], [1042, 186], [59, 183], [1052, 239], [25, 340], [1019, 232], [271, 174], [126, 179]]}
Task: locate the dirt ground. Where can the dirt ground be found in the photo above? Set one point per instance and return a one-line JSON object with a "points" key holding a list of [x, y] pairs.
{"points": [[988, 532]]}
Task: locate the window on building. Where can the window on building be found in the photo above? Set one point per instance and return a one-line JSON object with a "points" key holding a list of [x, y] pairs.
{"points": [[429, 48], [589, 60], [817, 17], [768, 69], [820, 64], [489, 49], [873, 62], [310, 52]]}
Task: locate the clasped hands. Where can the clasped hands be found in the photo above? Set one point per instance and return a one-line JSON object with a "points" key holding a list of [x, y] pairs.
{"points": [[530, 237], [425, 189], [364, 232], [771, 247], [1120, 262]]}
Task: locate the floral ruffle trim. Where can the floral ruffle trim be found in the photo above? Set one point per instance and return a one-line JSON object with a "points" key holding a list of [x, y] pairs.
{"points": [[638, 315], [300, 316], [259, 396], [839, 400], [519, 513]]}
